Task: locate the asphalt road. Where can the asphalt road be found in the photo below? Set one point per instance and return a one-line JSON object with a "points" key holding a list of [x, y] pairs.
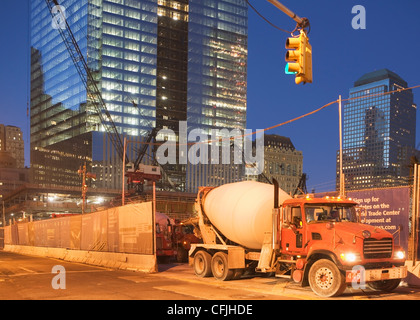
{"points": [[33, 278]]}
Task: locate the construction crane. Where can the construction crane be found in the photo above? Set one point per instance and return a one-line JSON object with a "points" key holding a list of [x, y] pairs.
{"points": [[93, 93], [137, 173], [301, 187], [142, 152]]}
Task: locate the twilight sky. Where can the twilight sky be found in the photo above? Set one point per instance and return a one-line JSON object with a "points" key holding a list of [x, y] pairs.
{"points": [[341, 55]]}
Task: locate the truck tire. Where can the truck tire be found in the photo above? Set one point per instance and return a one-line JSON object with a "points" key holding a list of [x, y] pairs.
{"points": [[386, 285], [219, 267], [326, 279], [202, 264]]}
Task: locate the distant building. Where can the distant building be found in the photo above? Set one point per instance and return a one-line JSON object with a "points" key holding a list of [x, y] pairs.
{"points": [[11, 140], [282, 162], [379, 132], [13, 173], [215, 172], [11, 177]]}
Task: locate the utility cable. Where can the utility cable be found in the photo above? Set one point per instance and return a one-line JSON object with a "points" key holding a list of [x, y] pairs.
{"points": [[266, 20], [285, 122]]}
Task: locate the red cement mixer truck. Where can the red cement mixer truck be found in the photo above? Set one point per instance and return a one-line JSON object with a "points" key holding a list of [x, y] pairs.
{"points": [[253, 226], [165, 250]]}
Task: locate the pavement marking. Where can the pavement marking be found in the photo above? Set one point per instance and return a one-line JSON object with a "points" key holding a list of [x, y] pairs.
{"points": [[249, 287], [28, 270], [194, 293], [134, 279], [36, 273]]}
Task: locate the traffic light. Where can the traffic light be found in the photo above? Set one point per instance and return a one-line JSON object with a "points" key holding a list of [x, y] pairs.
{"points": [[299, 58]]}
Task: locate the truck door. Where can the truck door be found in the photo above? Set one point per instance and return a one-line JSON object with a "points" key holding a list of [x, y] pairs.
{"points": [[292, 230]]}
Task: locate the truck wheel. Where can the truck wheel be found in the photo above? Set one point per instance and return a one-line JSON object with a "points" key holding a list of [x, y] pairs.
{"points": [[202, 264], [219, 267], [326, 279], [386, 285]]}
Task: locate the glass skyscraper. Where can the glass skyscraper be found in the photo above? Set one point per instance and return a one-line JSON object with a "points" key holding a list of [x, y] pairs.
{"points": [[155, 62], [379, 132]]}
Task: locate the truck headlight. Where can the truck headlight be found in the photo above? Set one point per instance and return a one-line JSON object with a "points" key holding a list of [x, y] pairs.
{"points": [[399, 254], [349, 257]]}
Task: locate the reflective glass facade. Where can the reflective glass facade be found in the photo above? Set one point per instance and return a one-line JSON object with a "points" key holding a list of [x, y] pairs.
{"points": [[156, 62], [378, 132], [59, 143], [217, 64], [217, 79]]}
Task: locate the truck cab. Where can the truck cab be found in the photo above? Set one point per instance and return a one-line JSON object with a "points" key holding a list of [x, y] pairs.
{"points": [[304, 220], [325, 240]]}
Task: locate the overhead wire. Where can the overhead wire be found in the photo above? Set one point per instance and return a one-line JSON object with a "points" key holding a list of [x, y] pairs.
{"points": [[323, 185], [382, 93], [282, 123], [265, 19], [326, 184]]}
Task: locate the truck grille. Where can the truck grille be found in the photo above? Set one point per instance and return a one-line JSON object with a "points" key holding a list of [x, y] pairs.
{"points": [[377, 249]]}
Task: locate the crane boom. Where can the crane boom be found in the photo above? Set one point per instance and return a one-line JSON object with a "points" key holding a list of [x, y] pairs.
{"points": [[143, 150], [93, 93]]}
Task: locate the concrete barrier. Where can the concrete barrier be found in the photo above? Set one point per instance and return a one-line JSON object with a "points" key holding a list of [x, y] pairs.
{"points": [[125, 261]]}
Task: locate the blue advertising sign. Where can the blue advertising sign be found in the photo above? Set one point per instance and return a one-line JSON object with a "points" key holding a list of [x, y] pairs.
{"points": [[388, 209]]}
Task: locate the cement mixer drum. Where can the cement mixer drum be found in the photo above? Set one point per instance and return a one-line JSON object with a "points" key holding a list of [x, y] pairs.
{"points": [[242, 211]]}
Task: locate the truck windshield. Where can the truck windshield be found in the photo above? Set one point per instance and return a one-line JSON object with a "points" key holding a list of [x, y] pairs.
{"points": [[321, 213]]}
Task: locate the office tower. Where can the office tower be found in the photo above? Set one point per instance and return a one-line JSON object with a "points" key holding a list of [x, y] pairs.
{"points": [[282, 162], [379, 130], [13, 173], [11, 141], [156, 63]]}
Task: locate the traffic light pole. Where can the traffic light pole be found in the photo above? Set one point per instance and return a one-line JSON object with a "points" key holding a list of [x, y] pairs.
{"points": [[283, 8], [302, 22]]}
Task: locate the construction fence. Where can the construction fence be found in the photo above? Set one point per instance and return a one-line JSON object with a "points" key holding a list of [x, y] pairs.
{"points": [[126, 229]]}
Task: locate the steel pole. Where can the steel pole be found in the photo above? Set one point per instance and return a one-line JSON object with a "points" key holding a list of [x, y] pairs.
{"points": [[123, 173], [341, 146], [285, 10], [83, 188], [415, 215], [4, 215], [154, 218]]}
